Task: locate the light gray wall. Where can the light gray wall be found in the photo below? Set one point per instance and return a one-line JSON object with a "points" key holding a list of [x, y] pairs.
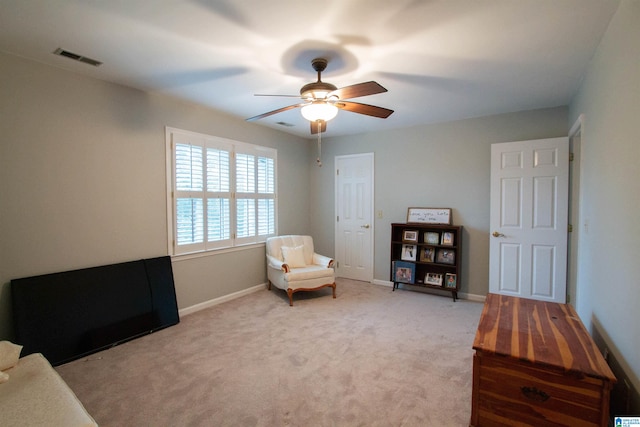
{"points": [[441, 165], [82, 180], [608, 292]]}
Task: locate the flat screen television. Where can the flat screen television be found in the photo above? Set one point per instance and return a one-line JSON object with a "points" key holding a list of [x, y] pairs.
{"points": [[68, 315]]}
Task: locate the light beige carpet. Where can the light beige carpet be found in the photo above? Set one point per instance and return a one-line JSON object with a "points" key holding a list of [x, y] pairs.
{"points": [[371, 357]]}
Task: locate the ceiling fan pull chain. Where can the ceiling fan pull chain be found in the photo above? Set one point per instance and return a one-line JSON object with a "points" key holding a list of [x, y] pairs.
{"points": [[319, 145]]}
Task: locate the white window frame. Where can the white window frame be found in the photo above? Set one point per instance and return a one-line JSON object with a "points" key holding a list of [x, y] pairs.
{"points": [[268, 161]]}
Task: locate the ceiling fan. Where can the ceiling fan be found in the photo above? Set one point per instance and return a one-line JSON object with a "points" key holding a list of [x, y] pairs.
{"points": [[322, 100]]}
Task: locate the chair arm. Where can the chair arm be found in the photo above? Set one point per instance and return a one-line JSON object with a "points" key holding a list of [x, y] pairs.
{"points": [[322, 260], [274, 262]]}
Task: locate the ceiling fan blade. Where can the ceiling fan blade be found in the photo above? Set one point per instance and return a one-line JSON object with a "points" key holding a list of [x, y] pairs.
{"points": [[359, 89], [369, 110], [270, 113], [318, 126]]}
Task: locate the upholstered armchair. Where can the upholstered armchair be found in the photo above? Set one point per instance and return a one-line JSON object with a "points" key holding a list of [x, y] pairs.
{"points": [[292, 265]]}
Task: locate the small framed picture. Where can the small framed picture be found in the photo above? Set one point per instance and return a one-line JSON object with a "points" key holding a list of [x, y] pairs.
{"points": [[434, 279], [447, 239], [431, 237], [427, 255], [410, 236], [403, 272], [409, 252], [446, 256], [451, 281]]}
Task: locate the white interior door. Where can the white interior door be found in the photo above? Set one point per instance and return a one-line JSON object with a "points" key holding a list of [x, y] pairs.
{"points": [[529, 205], [354, 214]]}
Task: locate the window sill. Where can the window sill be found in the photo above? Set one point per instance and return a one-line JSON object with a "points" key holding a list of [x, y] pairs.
{"points": [[194, 255]]}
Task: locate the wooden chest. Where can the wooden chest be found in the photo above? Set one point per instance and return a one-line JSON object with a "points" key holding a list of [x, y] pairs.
{"points": [[536, 365]]}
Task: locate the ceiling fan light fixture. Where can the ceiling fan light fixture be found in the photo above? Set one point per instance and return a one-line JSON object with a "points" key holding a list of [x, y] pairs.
{"points": [[320, 94], [319, 111], [317, 90]]}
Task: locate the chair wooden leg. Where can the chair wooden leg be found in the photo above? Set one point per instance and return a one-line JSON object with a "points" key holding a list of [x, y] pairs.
{"points": [[290, 293], [334, 289], [269, 287]]}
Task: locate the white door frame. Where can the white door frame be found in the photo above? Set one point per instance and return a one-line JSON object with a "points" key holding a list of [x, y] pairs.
{"points": [[576, 144], [368, 274]]}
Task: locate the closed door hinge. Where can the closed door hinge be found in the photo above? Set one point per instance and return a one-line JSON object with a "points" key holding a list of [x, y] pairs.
{"points": [[570, 228], [571, 157]]}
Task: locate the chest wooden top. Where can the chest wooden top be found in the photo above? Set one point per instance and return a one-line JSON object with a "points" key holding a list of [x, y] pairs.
{"points": [[539, 332]]}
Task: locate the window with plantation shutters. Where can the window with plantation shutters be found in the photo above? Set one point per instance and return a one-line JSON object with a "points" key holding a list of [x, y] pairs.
{"points": [[188, 193], [222, 193]]}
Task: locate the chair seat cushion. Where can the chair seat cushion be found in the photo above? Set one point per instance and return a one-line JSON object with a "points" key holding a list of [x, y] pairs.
{"points": [[308, 272]]}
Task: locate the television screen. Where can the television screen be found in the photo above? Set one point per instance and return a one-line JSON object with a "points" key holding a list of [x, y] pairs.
{"points": [[71, 314]]}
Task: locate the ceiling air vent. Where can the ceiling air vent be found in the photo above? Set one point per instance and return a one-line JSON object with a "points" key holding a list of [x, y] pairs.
{"points": [[75, 56]]}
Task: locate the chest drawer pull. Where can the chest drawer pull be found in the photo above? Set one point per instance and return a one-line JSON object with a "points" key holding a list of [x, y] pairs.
{"points": [[534, 394]]}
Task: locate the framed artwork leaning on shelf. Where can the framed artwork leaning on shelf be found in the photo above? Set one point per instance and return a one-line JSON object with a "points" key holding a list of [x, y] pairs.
{"points": [[432, 237], [446, 256], [429, 216], [427, 255], [409, 252], [404, 272], [434, 279], [447, 238], [451, 280], [410, 236]]}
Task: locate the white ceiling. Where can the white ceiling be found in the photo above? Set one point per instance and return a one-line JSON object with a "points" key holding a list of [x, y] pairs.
{"points": [[441, 60]]}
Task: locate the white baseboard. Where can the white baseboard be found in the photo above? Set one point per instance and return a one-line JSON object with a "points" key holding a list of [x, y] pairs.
{"points": [[206, 304], [382, 283], [472, 297], [461, 295]]}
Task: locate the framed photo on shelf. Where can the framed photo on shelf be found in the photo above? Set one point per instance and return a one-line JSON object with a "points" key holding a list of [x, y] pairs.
{"points": [[446, 256], [429, 216], [427, 255], [431, 237], [451, 280], [410, 236], [404, 272], [434, 279], [447, 238], [409, 252]]}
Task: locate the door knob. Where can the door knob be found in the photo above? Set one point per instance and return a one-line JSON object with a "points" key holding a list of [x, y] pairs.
{"points": [[365, 226], [496, 234]]}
